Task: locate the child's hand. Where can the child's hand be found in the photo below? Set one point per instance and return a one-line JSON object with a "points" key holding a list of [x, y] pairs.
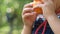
{"points": [[48, 8], [28, 15]]}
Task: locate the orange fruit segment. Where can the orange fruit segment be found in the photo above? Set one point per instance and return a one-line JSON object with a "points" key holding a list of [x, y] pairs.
{"points": [[38, 10]]}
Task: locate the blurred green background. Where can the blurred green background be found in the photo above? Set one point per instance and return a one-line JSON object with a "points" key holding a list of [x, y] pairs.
{"points": [[17, 5]]}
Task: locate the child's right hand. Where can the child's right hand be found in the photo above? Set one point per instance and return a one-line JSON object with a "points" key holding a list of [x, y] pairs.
{"points": [[28, 16]]}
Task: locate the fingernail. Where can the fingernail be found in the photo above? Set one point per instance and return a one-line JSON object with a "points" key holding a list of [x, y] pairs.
{"points": [[34, 12]]}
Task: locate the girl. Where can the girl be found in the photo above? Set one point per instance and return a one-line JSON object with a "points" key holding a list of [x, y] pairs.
{"points": [[49, 7]]}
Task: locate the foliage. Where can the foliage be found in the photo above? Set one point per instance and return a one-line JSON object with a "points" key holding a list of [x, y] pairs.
{"points": [[17, 5]]}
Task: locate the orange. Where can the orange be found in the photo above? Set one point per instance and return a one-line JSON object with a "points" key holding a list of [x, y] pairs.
{"points": [[38, 10]]}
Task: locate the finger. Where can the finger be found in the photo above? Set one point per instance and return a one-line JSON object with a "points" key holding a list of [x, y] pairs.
{"points": [[29, 5], [49, 1], [39, 5], [44, 0], [27, 10], [29, 15], [34, 16]]}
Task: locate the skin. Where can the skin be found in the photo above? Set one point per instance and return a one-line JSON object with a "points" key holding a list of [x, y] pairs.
{"points": [[49, 8]]}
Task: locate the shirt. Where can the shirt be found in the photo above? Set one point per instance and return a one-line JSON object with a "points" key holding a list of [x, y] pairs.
{"points": [[39, 20]]}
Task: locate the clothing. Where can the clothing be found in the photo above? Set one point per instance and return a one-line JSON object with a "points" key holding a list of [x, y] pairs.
{"points": [[40, 20], [11, 17]]}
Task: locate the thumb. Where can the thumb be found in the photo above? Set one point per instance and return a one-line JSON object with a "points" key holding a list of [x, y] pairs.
{"points": [[34, 14]]}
